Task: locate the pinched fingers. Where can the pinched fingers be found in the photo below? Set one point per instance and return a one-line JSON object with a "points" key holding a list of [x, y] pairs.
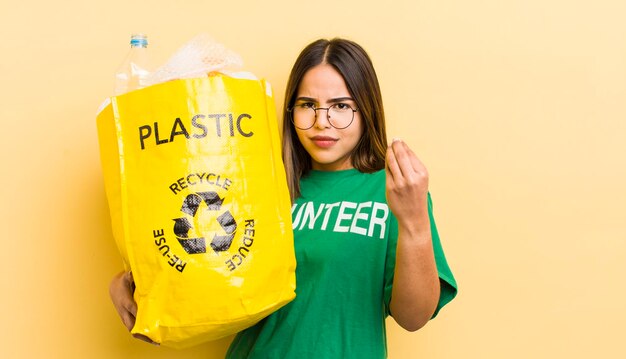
{"points": [[418, 166], [393, 168], [419, 176], [404, 166], [407, 187], [403, 157]]}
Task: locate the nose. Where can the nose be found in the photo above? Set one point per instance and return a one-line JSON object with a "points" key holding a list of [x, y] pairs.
{"points": [[321, 121]]}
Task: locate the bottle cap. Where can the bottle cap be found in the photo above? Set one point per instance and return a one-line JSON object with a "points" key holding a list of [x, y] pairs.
{"points": [[137, 40]]}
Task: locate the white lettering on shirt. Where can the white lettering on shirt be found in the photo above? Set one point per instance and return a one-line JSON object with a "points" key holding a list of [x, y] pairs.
{"points": [[329, 210], [343, 215], [378, 220], [310, 214], [354, 228], [366, 218]]}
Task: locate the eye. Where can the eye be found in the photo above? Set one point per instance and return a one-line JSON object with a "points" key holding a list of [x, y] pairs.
{"points": [[306, 105], [342, 106]]}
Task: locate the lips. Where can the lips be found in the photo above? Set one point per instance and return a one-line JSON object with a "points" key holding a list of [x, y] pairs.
{"points": [[324, 141]]}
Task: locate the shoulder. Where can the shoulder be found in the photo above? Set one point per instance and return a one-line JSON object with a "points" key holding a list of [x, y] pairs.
{"points": [[372, 185], [377, 175], [377, 178]]}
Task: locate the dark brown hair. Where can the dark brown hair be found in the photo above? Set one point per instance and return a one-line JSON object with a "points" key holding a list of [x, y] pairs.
{"points": [[355, 66]]}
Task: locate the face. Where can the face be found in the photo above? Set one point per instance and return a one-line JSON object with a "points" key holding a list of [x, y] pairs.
{"points": [[330, 148]]}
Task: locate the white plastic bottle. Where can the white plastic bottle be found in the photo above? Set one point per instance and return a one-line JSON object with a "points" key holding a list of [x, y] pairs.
{"points": [[133, 71]]}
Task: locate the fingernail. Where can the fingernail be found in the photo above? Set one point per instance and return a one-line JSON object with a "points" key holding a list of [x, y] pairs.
{"points": [[395, 140]]}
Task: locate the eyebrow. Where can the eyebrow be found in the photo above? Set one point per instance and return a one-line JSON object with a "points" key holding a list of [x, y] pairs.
{"points": [[332, 100]]}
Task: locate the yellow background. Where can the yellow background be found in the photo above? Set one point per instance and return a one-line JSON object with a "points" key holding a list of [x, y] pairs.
{"points": [[516, 107]]}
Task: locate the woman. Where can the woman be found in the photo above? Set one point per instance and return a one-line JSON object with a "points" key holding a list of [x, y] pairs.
{"points": [[366, 243]]}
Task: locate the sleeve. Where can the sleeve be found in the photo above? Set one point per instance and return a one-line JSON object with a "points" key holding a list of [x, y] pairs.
{"points": [[446, 278]]}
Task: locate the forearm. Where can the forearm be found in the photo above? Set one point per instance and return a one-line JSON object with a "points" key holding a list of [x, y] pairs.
{"points": [[416, 287]]}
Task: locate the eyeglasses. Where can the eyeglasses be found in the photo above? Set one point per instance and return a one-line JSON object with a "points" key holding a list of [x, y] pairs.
{"points": [[339, 115]]}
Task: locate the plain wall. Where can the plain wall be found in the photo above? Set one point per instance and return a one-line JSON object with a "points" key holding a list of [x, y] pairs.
{"points": [[517, 108]]}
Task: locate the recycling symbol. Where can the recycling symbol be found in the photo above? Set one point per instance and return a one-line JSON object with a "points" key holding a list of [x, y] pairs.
{"points": [[182, 226]]}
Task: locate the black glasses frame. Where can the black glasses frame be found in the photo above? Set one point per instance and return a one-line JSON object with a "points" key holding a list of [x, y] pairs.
{"points": [[293, 120]]}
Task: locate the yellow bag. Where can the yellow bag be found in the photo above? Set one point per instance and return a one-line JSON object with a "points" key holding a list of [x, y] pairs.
{"points": [[199, 205]]}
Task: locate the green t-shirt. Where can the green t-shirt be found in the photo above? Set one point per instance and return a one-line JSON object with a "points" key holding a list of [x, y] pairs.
{"points": [[345, 242]]}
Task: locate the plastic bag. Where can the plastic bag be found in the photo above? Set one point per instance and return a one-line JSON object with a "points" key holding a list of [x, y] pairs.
{"points": [[199, 205]]}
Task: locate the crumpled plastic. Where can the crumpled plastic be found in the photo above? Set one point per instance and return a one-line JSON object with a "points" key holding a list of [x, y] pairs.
{"points": [[197, 58]]}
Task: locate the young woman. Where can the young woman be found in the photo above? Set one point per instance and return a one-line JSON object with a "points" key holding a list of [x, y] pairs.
{"points": [[365, 239]]}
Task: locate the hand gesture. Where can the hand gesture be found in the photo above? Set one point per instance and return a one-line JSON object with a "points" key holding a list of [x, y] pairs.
{"points": [[406, 185]]}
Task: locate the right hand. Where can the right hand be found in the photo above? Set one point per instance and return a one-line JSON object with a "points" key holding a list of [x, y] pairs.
{"points": [[121, 291]]}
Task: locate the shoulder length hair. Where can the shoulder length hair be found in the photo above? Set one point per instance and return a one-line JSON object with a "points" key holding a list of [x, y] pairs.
{"points": [[355, 66]]}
